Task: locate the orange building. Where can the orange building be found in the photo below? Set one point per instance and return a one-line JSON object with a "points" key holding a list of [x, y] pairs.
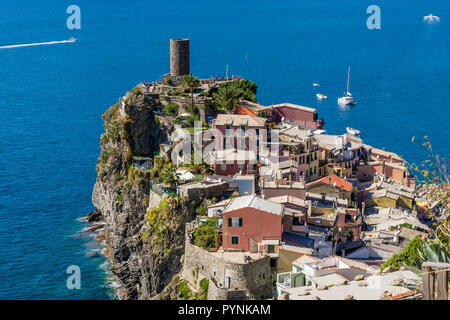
{"points": [[253, 224]]}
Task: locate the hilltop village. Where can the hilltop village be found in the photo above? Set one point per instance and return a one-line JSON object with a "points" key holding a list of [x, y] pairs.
{"points": [[277, 209]]}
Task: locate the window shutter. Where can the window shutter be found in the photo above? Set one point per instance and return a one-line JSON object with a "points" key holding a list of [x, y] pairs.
{"points": [[230, 223], [240, 222]]}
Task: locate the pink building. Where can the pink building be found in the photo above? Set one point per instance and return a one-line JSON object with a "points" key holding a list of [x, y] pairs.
{"points": [[299, 114], [241, 132], [252, 224]]}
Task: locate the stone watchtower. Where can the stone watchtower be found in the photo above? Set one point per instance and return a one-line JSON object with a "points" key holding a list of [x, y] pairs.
{"points": [[179, 57]]}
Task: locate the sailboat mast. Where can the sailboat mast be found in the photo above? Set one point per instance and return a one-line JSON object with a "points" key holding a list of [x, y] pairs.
{"points": [[348, 77]]}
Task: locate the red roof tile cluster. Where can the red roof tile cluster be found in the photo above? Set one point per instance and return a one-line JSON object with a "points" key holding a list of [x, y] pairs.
{"points": [[331, 179]]}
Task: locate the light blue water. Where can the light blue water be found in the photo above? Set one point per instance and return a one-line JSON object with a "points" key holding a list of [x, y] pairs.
{"points": [[52, 97]]}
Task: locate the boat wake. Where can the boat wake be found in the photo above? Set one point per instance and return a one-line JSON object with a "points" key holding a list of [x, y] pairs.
{"points": [[71, 40]]}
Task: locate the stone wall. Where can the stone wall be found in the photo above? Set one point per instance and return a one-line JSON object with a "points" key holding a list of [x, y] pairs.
{"points": [[216, 293], [200, 190], [247, 280]]}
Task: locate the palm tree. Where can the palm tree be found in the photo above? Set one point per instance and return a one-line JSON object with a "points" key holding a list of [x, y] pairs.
{"points": [[170, 176], [191, 83], [226, 97]]}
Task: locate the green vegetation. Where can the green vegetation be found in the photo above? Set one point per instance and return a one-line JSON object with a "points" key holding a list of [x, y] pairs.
{"points": [[137, 91], [409, 256], [169, 175], [201, 210], [349, 235], [205, 235], [184, 290], [191, 83], [204, 284], [405, 225], [434, 180], [171, 109], [228, 94]]}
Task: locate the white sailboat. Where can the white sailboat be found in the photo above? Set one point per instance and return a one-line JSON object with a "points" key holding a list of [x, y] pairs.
{"points": [[347, 99]]}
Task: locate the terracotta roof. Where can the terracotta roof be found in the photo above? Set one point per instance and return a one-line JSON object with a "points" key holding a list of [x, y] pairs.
{"points": [[400, 296], [332, 179], [295, 106], [252, 105]]}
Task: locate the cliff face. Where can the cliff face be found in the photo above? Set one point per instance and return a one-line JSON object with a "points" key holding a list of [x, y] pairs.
{"points": [[144, 255]]}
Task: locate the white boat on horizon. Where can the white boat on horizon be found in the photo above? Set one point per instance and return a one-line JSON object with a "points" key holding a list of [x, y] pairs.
{"points": [[315, 84], [321, 96], [348, 98], [431, 19]]}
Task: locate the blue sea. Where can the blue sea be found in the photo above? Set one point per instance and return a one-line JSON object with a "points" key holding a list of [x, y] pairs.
{"points": [[52, 98]]}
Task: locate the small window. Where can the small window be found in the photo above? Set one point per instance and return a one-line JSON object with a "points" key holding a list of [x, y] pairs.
{"points": [[257, 132], [235, 222], [257, 143], [234, 240]]}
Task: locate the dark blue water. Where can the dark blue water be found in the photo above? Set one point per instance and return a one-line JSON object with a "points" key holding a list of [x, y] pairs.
{"points": [[52, 97]]}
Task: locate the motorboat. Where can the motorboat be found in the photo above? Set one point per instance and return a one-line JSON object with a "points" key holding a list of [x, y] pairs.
{"points": [[315, 84], [347, 99], [321, 96], [353, 132]]}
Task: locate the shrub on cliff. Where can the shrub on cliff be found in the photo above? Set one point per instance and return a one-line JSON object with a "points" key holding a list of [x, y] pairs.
{"points": [[204, 285], [171, 109], [409, 256], [205, 235]]}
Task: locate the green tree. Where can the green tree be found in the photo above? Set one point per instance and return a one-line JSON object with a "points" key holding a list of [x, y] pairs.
{"points": [[434, 184], [169, 175], [191, 83], [409, 256], [205, 235], [226, 97]]}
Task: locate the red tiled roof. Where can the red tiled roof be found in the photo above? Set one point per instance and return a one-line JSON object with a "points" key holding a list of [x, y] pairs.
{"points": [[400, 296], [331, 179]]}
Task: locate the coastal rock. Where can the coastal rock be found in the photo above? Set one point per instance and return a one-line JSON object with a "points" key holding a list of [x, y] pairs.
{"points": [[95, 216], [95, 228], [142, 262], [349, 297], [385, 294]]}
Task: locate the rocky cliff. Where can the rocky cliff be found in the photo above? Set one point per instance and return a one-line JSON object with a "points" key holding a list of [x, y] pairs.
{"points": [[145, 254]]}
